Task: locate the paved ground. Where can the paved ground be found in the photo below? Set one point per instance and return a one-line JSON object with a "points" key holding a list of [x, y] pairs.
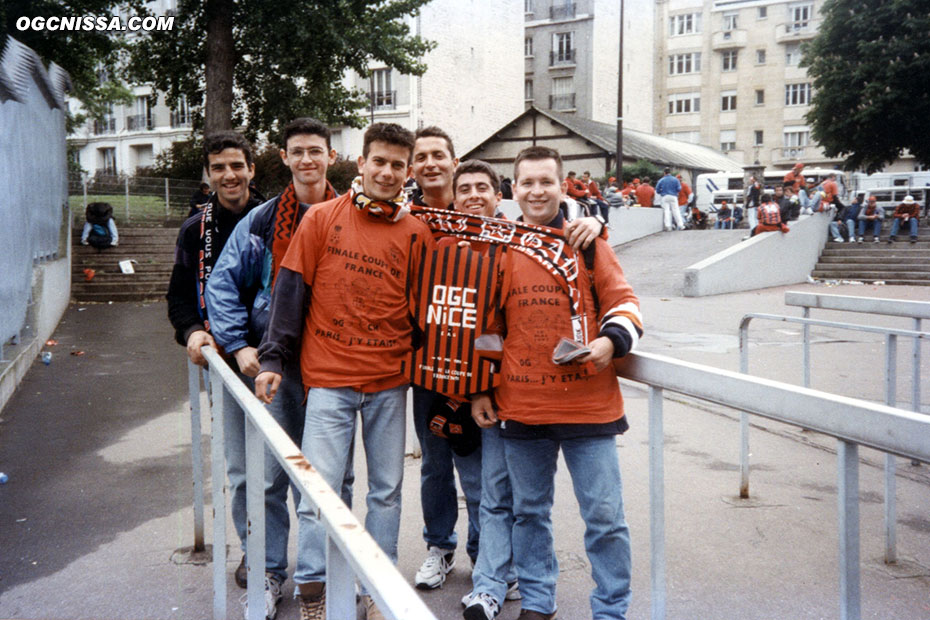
{"points": [[97, 449]]}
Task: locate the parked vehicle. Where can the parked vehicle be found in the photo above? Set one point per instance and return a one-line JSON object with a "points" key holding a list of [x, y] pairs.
{"points": [[714, 187]]}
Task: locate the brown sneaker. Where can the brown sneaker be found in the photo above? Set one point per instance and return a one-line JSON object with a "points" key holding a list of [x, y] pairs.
{"points": [[311, 600], [371, 610], [242, 574], [529, 614]]}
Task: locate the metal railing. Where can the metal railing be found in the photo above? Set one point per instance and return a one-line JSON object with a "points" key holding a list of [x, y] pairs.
{"points": [[852, 422], [383, 100], [562, 57], [562, 11], [105, 125], [180, 119], [139, 122], [351, 552], [562, 102]]}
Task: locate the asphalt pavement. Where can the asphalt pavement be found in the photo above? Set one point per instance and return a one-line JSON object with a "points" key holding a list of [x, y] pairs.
{"points": [[97, 449]]}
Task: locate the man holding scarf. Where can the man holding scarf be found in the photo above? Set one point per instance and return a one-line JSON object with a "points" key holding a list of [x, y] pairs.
{"points": [[340, 299], [227, 159], [239, 296]]}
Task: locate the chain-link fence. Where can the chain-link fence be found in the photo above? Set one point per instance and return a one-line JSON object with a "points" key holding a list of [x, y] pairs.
{"points": [[136, 201], [33, 174]]}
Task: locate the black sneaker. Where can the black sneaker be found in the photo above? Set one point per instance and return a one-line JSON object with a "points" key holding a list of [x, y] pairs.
{"points": [[242, 574]]}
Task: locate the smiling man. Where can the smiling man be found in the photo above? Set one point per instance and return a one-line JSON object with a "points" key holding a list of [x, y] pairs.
{"points": [[574, 408], [340, 303], [238, 297]]}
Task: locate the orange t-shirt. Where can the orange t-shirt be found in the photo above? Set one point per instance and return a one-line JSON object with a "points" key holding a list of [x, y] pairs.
{"points": [[645, 195], [357, 331], [537, 311]]}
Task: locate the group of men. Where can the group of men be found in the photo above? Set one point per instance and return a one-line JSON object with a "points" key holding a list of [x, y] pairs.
{"points": [[306, 295]]}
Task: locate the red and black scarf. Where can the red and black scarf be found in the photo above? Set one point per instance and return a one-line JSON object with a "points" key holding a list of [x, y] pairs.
{"points": [[286, 220], [388, 210]]}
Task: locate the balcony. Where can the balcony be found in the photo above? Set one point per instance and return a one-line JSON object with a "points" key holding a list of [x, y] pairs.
{"points": [[792, 154], [794, 32], [729, 39], [105, 125], [562, 103], [180, 119], [564, 11], [139, 122], [562, 58], [383, 100]]}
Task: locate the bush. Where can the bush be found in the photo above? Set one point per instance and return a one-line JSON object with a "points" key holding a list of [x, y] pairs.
{"points": [[341, 174], [642, 168], [182, 160], [271, 175]]}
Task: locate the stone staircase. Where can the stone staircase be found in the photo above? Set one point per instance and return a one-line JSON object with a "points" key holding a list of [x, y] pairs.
{"points": [[901, 262], [152, 249]]}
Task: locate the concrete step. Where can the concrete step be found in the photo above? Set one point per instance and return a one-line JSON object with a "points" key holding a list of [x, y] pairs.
{"points": [[876, 259], [124, 296], [920, 244], [834, 274], [876, 249], [869, 266], [888, 281]]}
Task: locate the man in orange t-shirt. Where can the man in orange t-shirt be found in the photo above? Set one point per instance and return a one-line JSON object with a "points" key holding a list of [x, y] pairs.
{"points": [[645, 193], [574, 407], [340, 300]]}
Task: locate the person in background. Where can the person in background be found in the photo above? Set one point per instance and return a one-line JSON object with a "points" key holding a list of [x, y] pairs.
{"points": [[724, 217], [872, 214], [595, 194], [685, 196], [99, 226], [645, 193], [668, 188], [769, 217], [906, 214], [199, 198]]}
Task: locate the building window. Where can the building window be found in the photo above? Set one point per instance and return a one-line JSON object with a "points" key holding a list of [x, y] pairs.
{"points": [[108, 161], [181, 114], [728, 100], [142, 119], [693, 137], [528, 46], [798, 94], [760, 57], [727, 140], [799, 16], [730, 21], [758, 137], [729, 59], [793, 54], [795, 139], [760, 96], [563, 49], [107, 123], [763, 12], [528, 90], [684, 103], [563, 94], [566, 10], [528, 6], [689, 23], [382, 95], [679, 64]]}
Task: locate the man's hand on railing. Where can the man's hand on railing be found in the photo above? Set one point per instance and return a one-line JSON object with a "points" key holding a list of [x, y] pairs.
{"points": [[266, 386], [195, 341], [482, 410], [247, 359]]}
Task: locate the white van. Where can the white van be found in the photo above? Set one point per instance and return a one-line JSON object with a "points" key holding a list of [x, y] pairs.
{"points": [[712, 188]]}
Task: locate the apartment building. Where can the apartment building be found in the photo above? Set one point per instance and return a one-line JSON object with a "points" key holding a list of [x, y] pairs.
{"points": [[728, 76], [571, 51]]}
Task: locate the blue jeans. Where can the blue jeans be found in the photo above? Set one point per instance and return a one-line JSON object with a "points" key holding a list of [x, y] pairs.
{"points": [[876, 227], [329, 431], [595, 471], [287, 411], [494, 568], [438, 496], [896, 225]]}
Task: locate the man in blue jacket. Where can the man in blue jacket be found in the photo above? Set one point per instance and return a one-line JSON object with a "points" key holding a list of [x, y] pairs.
{"points": [[238, 297], [668, 188]]}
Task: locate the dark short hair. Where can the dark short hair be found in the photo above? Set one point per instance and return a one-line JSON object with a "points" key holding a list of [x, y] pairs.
{"points": [[432, 131], [586, 172], [647, 180], [219, 141], [476, 166], [390, 133], [766, 197], [537, 153], [667, 171], [571, 173], [306, 126], [205, 186]]}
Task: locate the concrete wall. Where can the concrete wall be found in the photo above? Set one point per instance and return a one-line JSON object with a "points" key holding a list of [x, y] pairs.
{"points": [[769, 259]]}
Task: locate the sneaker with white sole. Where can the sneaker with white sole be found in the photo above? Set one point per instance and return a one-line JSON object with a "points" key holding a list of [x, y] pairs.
{"points": [[438, 564], [513, 591], [311, 600], [482, 607], [273, 597]]}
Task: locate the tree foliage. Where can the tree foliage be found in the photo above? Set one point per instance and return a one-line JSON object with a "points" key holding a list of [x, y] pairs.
{"points": [[870, 64], [289, 58], [84, 54]]}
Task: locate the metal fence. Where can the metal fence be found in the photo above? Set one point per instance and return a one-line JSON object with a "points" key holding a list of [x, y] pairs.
{"points": [[33, 174], [351, 552], [136, 201]]}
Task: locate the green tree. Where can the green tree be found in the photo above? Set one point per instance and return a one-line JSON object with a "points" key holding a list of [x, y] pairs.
{"points": [[90, 57], [870, 65], [259, 64]]}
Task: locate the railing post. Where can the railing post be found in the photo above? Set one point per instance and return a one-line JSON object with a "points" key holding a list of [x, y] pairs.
{"points": [[915, 384], [891, 380], [218, 480], [657, 503], [255, 507], [126, 186], [340, 583], [84, 184], [167, 200], [743, 416], [848, 464], [193, 388], [806, 354]]}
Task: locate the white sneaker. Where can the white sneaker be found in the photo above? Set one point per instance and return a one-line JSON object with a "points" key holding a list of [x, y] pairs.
{"points": [[838, 239], [513, 592], [482, 607], [860, 240], [273, 597], [438, 564]]}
